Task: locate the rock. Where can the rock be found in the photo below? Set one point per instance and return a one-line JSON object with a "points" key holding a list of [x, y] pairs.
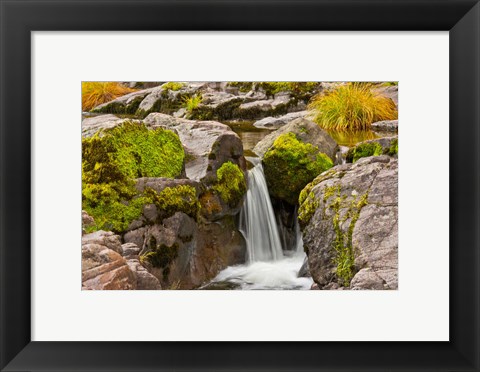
{"points": [[294, 160], [375, 147], [93, 124], [130, 251], [103, 268], [306, 131], [315, 287], [348, 217], [144, 280], [104, 238], [87, 221], [385, 125], [127, 104], [166, 100], [208, 144], [279, 121], [184, 255], [389, 92], [304, 271]]}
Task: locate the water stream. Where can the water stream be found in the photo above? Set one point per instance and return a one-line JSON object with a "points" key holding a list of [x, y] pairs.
{"points": [[267, 266]]}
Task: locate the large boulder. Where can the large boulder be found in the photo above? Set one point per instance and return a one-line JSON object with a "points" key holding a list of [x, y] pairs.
{"points": [[295, 155], [306, 131], [349, 220], [208, 144], [104, 238], [94, 124]]}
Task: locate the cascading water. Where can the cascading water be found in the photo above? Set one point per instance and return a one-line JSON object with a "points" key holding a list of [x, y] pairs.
{"points": [[267, 266], [257, 219]]}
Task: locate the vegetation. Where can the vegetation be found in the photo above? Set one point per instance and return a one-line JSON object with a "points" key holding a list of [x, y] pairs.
{"points": [[351, 107], [160, 256], [298, 89], [191, 103], [290, 164], [173, 85], [365, 149], [231, 184], [112, 159], [96, 93], [182, 198]]}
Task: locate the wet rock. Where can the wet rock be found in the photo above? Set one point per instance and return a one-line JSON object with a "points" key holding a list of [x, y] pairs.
{"points": [[304, 271], [349, 219]]}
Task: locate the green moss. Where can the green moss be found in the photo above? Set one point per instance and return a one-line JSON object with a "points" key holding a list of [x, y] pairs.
{"points": [[172, 85], [160, 256], [393, 149], [363, 150], [307, 208], [290, 164], [111, 160], [344, 258], [166, 104], [182, 198], [231, 184]]}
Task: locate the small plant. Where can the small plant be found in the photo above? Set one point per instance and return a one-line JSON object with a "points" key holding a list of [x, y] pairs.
{"points": [[351, 107], [191, 103], [95, 93], [172, 85], [390, 84]]}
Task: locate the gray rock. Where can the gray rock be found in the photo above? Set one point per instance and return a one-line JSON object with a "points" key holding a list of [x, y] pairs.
{"points": [[279, 121], [126, 104], [87, 221], [208, 143], [105, 238], [385, 125], [306, 131], [389, 92], [130, 250], [144, 280], [304, 271], [389, 146], [366, 194]]}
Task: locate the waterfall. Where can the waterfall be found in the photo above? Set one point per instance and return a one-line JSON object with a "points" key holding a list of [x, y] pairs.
{"points": [[298, 236], [257, 220]]}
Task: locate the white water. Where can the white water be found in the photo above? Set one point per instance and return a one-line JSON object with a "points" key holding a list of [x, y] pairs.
{"points": [[267, 267], [257, 220]]}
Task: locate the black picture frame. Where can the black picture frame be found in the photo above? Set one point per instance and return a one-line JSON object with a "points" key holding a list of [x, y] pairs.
{"points": [[18, 18]]}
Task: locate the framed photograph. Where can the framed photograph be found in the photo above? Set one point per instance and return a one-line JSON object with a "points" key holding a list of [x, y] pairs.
{"points": [[239, 185]]}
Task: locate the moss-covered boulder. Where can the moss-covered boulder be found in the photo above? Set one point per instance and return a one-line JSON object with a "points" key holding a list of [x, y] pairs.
{"points": [[111, 161], [290, 164], [349, 221], [376, 147], [306, 131]]}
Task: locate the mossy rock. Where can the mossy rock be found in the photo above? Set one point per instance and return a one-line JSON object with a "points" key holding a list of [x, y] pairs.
{"points": [[376, 147], [113, 158], [231, 184], [289, 165]]}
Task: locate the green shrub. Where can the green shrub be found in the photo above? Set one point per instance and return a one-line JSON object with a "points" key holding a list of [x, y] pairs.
{"points": [[351, 107], [231, 184], [363, 150], [290, 164]]}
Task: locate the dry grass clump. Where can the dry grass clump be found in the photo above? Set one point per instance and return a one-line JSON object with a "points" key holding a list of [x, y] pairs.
{"points": [[95, 93], [351, 107]]}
